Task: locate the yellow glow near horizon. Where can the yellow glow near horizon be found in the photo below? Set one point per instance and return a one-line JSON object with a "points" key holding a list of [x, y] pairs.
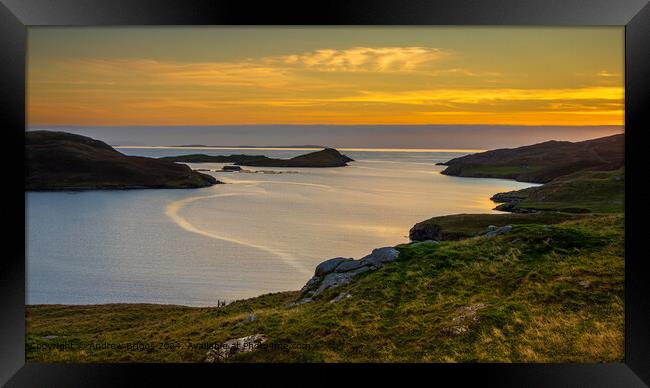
{"points": [[210, 76]]}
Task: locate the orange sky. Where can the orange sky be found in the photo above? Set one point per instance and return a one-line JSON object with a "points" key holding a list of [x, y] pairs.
{"points": [[438, 75]]}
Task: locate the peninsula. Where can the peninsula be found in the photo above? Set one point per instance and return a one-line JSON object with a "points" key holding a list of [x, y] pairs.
{"points": [[542, 162], [64, 161]]}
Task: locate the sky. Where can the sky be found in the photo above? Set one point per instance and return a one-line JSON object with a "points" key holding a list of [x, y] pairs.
{"points": [[224, 76]]}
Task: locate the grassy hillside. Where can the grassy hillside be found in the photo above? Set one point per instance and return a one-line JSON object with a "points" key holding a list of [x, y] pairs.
{"points": [[540, 293], [581, 192], [543, 162], [462, 226], [64, 161]]}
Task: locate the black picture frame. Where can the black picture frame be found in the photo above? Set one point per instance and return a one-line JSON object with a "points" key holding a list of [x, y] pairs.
{"points": [[17, 15]]}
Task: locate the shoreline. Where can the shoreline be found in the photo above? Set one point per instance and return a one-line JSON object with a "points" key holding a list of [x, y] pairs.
{"points": [[209, 306]]}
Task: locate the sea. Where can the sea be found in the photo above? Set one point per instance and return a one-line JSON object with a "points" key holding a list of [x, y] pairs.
{"points": [[262, 231]]}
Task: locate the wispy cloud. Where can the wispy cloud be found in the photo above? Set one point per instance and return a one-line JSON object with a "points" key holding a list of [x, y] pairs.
{"points": [[358, 84], [382, 59]]}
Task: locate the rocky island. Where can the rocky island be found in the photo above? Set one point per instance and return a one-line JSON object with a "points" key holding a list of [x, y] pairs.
{"points": [[64, 161], [328, 157]]}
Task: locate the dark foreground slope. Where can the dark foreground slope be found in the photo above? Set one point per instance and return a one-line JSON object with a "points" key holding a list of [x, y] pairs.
{"points": [[543, 162], [540, 293], [328, 157], [63, 161]]}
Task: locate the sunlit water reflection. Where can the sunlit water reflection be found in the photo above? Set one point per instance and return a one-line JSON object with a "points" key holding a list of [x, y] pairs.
{"points": [[259, 233]]}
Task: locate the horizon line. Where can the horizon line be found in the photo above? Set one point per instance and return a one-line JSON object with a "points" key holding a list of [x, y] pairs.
{"points": [[313, 125], [289, 148]]}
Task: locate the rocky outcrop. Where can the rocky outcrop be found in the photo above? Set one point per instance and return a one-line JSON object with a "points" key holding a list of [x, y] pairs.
{"points": [[509, 196], [425, 231], [432, 231], [339, 271], [498, 231], [221, 352], [330, 265]]}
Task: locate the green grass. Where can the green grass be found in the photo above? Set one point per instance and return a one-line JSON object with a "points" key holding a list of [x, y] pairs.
{"points": [[550, 293], [582, 192], [461, 226], [498, 171]]}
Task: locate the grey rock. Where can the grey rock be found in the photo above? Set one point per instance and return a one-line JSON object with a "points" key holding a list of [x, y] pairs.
{"points": [[499, 231], [231, 168], [329, 266], [220, 352], [380, 256], [341, 296], [49, 337], [359, 271], [310, 284], [333, 280], [338, 279], [250, 318], [349, 266], [340, 271], [491, 228]]}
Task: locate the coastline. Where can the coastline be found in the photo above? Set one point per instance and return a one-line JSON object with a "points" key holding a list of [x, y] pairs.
{"points": [[209, 306]]}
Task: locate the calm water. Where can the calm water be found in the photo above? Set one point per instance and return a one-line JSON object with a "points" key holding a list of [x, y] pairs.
{"points": [[259, 233]]}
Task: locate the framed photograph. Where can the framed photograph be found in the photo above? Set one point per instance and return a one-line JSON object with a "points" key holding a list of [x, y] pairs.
{"points": [[437, 188]]}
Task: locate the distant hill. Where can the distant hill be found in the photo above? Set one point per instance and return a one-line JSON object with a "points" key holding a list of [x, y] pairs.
{"points": [[248, 146], [541, 163], [329, 157], [63, 161]]}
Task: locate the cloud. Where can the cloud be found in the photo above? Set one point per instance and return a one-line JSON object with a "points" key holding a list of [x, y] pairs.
{"points": [[381, 59], [608, 74], [357, 84], [479, 96], [150, 71]]}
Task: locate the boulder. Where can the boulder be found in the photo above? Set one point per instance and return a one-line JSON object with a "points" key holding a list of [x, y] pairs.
{"points": [[499, 231], [349, 266], [380, 256], [330, 265], [338, 279], [341, 296], [340, 271], [221, 352], [310, 284]]}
